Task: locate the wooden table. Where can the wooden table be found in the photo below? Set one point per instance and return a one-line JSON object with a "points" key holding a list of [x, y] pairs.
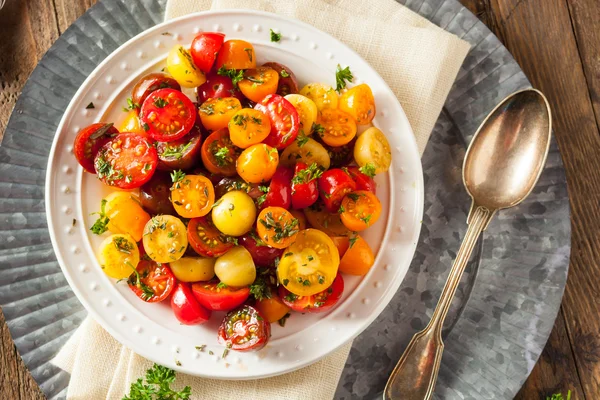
{"points": [[556, 42]]}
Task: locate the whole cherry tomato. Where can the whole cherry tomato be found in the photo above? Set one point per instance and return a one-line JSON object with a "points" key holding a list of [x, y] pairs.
{"points": [[89, 140], [285, 121], [334, 184], [204, 49], [217, 86], [363, 182], [262, 254], [280, 189], [185, 306], [304, 185], [236, 54], [148, 84]]}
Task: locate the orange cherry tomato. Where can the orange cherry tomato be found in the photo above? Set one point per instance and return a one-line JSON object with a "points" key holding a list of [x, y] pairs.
{"points": [[342, 243], [277, 227], [257, 163], [248, 127], [192, 195], [272, 309], [359, 210], [258, 83], [330, 223], [339, 127], [218, 153], [299, 215], [360, 103], [132, 123], [236, 54], [216, 113], [359, 257]]}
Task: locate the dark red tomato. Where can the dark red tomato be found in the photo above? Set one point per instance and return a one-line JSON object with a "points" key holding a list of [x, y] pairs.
{"points": [[334, 184], [228, 184], [244, 329], [181, 154], [216, 298], [206, 239], [185, 306], [304, 185], [218, 153], [88, 142], [288, 84], [340, 156], [167, 115], [149, 83], [153, 282], [214, 178], [284, 118], [316, 303], [280, 189], [262, 254], [155, 195], [126, 161], [217, 86], [363, 182], [205, 47]]}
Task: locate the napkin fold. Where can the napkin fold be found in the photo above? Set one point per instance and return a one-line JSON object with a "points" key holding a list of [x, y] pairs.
{"points": [[417, 59]]}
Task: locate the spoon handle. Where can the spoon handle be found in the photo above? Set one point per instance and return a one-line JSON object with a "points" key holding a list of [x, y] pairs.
{"points": [[415, 375]]}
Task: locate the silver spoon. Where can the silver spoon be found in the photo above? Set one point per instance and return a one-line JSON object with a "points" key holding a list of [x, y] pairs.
{"points": [[501, 167]]}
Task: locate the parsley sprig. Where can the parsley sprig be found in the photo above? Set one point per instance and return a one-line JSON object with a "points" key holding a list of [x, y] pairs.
{"points": [[100, 226], [275, 37], [157, 386], [235, 75], [341, 76], [260, 289], [308, 174], [368, 169], [131, 105], [176, 152]]}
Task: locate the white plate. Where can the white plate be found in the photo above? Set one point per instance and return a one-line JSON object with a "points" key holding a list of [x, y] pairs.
{"points": [[151, 330]]}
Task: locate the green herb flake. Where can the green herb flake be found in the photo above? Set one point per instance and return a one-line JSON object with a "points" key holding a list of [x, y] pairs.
{"points": [[201, 347], [352, 240], [307, 174], [235, 75], [284, 74], [260, 289], [317, 128], [368, 169], [90, 106], [341, 77], [131, 105], [160, 102], [302, 140], [100, 226], [275, 37]]}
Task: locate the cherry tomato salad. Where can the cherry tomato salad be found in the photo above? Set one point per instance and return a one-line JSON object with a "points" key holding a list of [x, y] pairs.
{"points": [[249, 200]]}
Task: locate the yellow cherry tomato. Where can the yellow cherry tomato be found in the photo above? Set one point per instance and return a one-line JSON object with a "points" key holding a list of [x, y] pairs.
{"points": [[193, 269], [307, 111], [323, 95], [234, 213], [182, 68], [236, 267], [118, 256], [360, 103], [373, 148], [165, 238], [125, 214], [257, 163], [216, 113], [132, 123], [192, 195], [306, 150]]}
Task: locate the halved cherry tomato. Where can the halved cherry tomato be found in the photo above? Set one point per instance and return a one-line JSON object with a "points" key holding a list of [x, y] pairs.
{"points": [[228, 184], [315, 303], [358, 259], [155, 195], [125, 214], [280, 189], [277, 227], [168, 115], [339, 127], [215, 113], [165, 238], [262, 254], [304, 185], [204, 49], [183, 69], [258, 83], [181, 153], [308, 151], [360, 103], [342, 243], [186, 308], [310, 264], [127, 161], [219, 297], [132, 123], [206, 239], [288, 84], [236, 54], [192, 195], [248, 127], [148, 84], [363, 182], [330, 223], [360, 210], [89, 140], [307, 112], [153, 281], [244, 329], [373, 148], [323, 95], [334, 184], [284, 118], [219, 155], [272, 308], [257, 163], [217, 86]]}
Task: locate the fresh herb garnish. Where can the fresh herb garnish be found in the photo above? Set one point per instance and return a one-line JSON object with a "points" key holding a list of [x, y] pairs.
{"points": [[177, 177], [288, 229], [254, 80], [131, 105], [308, 174], [176, 151], [368, 169], [221, 285], [160, 102], [352, 240], [260, 289], [302, 140], [240, 120], [275, 37], [235, 75], [222, 155], [157, 386], [100, 226], [291, 297], [559, 396], [366, 219], [341, 76], [317, 128], [284, 74], [90, 106], [123, 245], [208, 109], [353, 196]]}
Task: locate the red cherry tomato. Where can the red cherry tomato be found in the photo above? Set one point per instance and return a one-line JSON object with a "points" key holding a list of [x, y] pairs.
{"points": [[88, 142], [204, 49], [216, 298], [167, 115], [126, 161], [288, 84], [334, 184], [149, 83], [217, 86], [363, 182], [206, 239], [316, 303], [244, 329], [262, 254], [304, 185], [284, 118], [280, 189], [156, 281], [186, 308]]}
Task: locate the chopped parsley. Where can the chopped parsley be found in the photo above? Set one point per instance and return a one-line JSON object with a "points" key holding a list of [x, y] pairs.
{"points": [[160, 102], [284, 74], [208, 109], [222, 156], [285, 282], [288, 229], [559, 396], [283, 319], [308, 174], [221, 285], [255, 80], [157, 386], [275, 37], [131, 105], [235, 75], [248, 51], [146, 127], [104, 169], [368, 169], [175, 152], [321, 279], [366, 219], [100, 226], [258, 240], [341, 209], [341, 76], [240, 120], [123, 245], [291, 297], [260, 289], [317, 128], [288, 254], [353, 196], [90, 106], [177, 177], [352, 240], [156, 224], [302, 140]]}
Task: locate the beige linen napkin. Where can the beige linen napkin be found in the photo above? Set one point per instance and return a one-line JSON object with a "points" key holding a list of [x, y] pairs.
{"points": [[417, 59]]}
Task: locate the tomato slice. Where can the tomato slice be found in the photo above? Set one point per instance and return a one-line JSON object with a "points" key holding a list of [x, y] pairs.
{"points": [[304, 185], [206, 239], [181, 153], [218, 297], [167, 115], [277, 227], [244, 329], [217, 86], [88, 142], [248, 127], [339, 127], [316, 303], [205, 47], [219, 155], [153, 281], [186, 308], [262, 254], [148, 84], [310, 264], [285, 122], [280, 189], [259, 82], [192, 195], [334, 184], [360, 103], [360, 210], [363, 182], [127, 161]]}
